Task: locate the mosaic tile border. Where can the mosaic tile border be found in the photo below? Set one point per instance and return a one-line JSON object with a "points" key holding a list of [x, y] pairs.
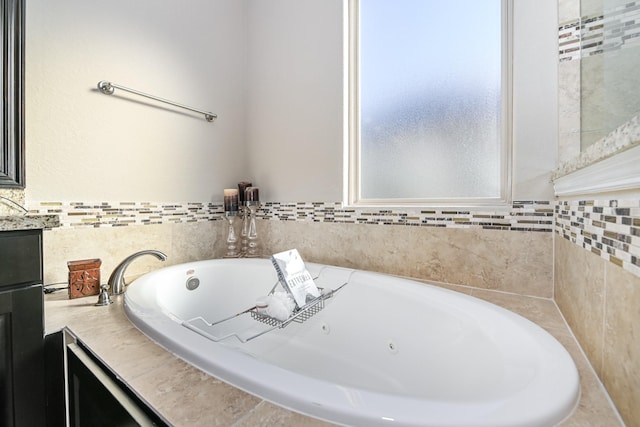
{"points": [[522, 216], [120, 214], [615, 29], [608, 228]]}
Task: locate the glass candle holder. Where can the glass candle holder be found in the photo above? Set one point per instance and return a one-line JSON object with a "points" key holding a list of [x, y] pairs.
{"points": [[244, 214], [232, 249], [252, 233], [244, 230]]}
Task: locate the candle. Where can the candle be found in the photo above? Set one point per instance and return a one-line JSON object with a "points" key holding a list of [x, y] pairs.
{"points": [[251, 194], [230, 200], [242, 186]]}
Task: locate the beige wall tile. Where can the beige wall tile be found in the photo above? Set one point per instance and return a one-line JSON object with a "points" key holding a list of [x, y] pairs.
{"points": [[181, 242], [519, 262], [579, 292], [568, 110], [568, 10], [621, 362]]}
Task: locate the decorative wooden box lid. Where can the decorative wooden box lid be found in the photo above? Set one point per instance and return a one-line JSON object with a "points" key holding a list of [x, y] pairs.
{"points": [[84, 264]]}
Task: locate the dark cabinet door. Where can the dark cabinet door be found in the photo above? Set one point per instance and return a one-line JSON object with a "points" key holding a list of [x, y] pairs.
{"points": [[21, 357], [20, 258], [97, 398]]}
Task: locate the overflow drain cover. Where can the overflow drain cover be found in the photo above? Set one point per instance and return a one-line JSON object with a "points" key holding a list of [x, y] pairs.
{"points": [[193, 283]]}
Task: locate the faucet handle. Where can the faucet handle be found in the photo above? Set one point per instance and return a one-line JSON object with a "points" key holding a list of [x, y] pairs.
{"points": [[103, 297]]}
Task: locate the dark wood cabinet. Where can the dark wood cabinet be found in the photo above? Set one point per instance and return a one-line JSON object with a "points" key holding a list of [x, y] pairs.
{"points": [[98, 398], [70, 386], [21, 329], [95, 396]]}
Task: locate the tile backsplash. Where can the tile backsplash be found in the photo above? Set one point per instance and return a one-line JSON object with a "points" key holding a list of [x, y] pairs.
{"points": [[120, 214], [608, 228], [614, 29]]}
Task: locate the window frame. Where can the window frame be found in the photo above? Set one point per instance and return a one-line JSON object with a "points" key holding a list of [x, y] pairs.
{"points": [[352, 132]]}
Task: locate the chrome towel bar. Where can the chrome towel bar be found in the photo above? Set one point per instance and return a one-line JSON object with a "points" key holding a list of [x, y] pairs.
{"points": [[108, 88]]}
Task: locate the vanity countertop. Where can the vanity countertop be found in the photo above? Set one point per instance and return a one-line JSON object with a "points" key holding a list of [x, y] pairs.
{"points": [[186, 396], [28, 222]]}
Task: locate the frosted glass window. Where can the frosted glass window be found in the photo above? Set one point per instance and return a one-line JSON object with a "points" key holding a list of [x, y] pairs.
{"points": [[430, 84]]}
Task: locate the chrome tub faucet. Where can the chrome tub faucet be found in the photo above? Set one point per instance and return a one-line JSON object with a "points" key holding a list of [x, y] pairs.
{"points": [[116, 280]]}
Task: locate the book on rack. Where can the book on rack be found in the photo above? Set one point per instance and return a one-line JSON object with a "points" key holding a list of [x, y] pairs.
{"points": [[294, 277]]}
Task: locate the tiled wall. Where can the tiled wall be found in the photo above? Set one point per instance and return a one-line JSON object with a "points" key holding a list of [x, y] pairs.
{"points": [[616, 29], [508, 249], [597, 288], [597, 79], [597, 240], [607, 228], [120, 214], [597, 247]]}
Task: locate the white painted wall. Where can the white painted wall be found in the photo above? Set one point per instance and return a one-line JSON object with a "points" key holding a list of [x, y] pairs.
{"points": [[295, 98], [86, 146], [295, 101], [535, 98], [271, 69]]}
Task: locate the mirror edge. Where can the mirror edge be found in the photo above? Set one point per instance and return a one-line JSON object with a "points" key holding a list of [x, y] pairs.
{"points": [[12, 146], [625, 137]]}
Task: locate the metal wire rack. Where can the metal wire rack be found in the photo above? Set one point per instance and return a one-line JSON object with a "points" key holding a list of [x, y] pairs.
{"points": [[198, 324], [305, 313]]}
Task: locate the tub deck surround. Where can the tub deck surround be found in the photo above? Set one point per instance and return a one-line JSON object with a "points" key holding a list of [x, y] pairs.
{"points": [[185, 396], [479, 365]]}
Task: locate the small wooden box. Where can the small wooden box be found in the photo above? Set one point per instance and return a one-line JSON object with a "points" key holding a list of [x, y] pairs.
{"points": [[84, 277]]}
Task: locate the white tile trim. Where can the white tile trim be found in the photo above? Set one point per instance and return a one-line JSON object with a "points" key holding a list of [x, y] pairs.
{"points": [[618, 173]]}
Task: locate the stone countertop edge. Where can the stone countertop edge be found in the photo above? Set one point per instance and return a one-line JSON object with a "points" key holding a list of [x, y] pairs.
{"points": [[28, 222]]}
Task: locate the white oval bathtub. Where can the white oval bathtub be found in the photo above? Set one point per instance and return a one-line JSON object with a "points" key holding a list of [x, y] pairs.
{"points": [[384, 351]]}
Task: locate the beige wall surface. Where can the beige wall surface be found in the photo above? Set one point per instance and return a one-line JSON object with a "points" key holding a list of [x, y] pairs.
{"points": [[295, 100], [600, 302]]}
